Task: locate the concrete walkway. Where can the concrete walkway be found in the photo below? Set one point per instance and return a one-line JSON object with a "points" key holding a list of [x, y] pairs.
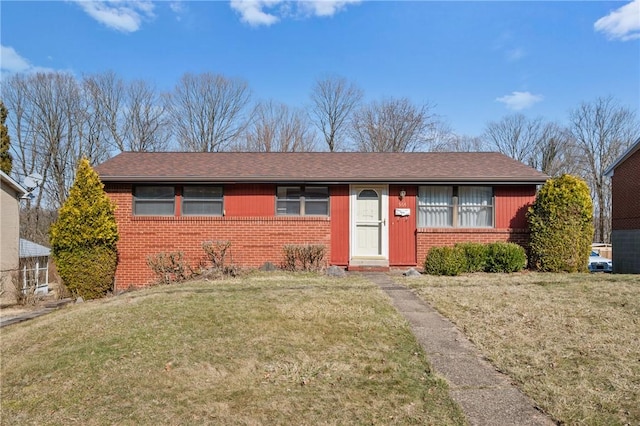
{"points": [[486, 396], [48, 307]]}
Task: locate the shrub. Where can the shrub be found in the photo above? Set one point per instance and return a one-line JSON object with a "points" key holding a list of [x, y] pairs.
{"points": [[475, 255], [87, 272], [561, 224], [308, 257], [83, 238], [505, 257], [217, 252], [169, 267], [445, 261]]}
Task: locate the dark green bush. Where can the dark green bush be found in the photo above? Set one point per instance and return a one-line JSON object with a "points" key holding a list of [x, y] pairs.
{"points": [[445, 261], [505, 257], [87, 272], [561, 224], [476, 256]]}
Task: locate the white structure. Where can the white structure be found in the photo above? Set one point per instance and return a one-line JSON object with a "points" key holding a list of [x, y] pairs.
{"points": [[34, 267]]}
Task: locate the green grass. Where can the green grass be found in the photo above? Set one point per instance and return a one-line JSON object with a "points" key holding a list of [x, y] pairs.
{"points": [[262, 349], [570, 341]]}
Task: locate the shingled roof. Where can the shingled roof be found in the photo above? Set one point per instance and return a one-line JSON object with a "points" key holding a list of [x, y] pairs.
{"points": [[317, 167]]}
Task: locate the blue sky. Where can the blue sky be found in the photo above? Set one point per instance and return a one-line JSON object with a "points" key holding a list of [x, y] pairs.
{"points": [[475, 61]]}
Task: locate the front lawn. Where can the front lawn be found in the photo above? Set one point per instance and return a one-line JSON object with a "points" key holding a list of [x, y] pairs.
{"points": [[263, 349], [570, 341]]}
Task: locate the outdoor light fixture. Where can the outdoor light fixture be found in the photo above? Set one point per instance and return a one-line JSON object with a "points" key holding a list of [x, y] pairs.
{"points": [[402, 194]]}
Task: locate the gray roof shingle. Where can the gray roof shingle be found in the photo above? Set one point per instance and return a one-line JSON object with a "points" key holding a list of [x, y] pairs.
{"points": [[326, 167]]}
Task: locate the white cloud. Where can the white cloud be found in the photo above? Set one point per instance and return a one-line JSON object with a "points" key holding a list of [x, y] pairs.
{"points": [[251, 11], [125, 16], [326, 7], [621, 24], [520, 100], [268, 12], [11, 62]]}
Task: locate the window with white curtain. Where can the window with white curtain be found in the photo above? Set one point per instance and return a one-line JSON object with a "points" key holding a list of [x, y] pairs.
{"points": [[435, 206], [455, 206]]}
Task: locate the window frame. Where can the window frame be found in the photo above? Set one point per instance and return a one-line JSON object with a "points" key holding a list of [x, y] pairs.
{"points": [[455, 207], [302, 200], [139, 200], [177, 200], [206, 200]]}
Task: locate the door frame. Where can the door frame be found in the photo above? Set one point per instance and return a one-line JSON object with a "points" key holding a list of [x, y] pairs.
{"points": [[384, 217]]}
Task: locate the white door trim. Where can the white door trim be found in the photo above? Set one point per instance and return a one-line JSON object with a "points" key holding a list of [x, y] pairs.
{"points": [[383, 190]]}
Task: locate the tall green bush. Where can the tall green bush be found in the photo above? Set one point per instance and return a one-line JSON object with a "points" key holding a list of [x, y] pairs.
{"points": [[561, 224], [83, 238]]}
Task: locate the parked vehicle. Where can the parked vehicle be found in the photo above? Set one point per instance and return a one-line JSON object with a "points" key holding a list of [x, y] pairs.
{"points": [[598, 263]]}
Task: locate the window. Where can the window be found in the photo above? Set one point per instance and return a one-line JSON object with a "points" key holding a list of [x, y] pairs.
{"points": [[302, 201], [160, 200], [202, 201], [154, 201], [455, 206]]}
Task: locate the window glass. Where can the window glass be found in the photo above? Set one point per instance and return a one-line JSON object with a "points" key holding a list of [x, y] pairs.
{"points": [[199, 200], [435, 206], [475, 206], [302, 201], [153, 201]]}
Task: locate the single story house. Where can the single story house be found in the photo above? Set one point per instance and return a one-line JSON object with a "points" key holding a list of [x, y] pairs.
{"points": [[370, 210], [625, 211], [10, 193]]}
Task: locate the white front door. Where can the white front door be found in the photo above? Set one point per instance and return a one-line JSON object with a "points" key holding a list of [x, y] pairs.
{"points": [[369, 221]]}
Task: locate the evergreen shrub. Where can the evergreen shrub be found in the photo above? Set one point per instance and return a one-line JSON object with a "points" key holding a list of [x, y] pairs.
{"points": [[475, 255], [449, 261], [83, 238], [505, 257], [561, 225]]}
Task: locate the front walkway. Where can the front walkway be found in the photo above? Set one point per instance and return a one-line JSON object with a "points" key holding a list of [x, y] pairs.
{"points": [[486, 396]]}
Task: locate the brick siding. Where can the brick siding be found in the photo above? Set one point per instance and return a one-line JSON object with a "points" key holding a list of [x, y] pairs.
{"points": [[626, 194], [260, 238]]}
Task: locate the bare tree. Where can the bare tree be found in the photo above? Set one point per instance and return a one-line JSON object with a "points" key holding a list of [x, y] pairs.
{"points": [[146, 124], [602, 130], [208, 111], [47, 130], [443, 139], [105, 99], [392, 125], [277, 128], [515, 136], [334, 99]]}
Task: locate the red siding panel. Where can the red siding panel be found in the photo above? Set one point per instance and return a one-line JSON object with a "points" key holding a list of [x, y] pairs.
{"points": [[512, 203], [402, 229], [249, 200], [340, 225]]}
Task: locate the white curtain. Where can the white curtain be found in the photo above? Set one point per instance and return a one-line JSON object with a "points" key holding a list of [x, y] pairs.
{"points": [[474, 206], [435, 206]]}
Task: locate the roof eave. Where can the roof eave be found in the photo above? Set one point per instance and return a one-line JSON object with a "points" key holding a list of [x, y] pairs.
{"points": [[628, 153], [327, 180]]}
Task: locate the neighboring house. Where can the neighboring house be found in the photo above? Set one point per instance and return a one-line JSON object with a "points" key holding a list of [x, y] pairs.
{"points": [[625, 211], [370, 210], [10, 193]]}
